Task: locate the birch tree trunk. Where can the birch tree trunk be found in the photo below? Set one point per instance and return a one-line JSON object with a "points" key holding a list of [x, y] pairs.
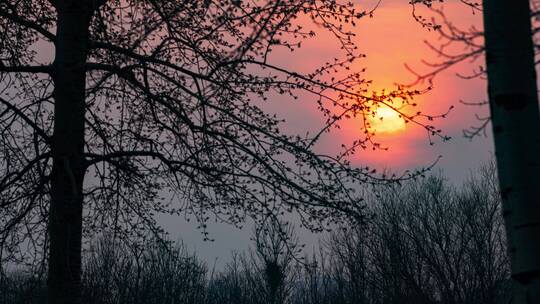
{"points": [[65, 215], [513, 100]]}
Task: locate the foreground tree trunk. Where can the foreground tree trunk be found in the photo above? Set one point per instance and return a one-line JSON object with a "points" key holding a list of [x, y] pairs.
{"points": [[513, 100], [65, 216]]}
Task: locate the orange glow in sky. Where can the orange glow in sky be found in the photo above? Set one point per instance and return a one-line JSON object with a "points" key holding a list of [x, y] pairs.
{"points": [[391, 39]]}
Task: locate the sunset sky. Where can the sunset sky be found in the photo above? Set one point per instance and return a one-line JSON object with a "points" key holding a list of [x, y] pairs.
{"points": [[269, 151], [391, 39]]}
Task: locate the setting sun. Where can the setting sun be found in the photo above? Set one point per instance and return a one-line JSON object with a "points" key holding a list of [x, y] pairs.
{"points": [[386, 120]]}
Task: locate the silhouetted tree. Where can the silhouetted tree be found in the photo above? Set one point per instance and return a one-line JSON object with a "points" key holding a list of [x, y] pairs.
{"points": [[108, 106], [150, 272], [350, 264], [426, 242], [237, 283], [277, 251]]}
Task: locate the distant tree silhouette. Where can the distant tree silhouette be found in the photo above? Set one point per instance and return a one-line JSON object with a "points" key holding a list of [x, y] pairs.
{"points": [[277, 251], [151, 272], [239, 282], [108, 106], [424, 242]]}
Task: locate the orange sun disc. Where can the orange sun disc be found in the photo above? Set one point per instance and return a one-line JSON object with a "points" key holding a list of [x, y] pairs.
{"points": [[386, 120]]}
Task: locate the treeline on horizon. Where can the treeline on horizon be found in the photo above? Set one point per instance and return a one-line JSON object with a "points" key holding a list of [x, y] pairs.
{"points": [[424, 241]]}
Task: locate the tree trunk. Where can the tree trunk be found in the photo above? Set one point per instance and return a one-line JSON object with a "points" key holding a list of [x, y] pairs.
{"points": [[65, 215], [513, 100]]}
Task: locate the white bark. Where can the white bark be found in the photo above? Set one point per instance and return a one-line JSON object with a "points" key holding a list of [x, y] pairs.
{"points": [[513, 100]]}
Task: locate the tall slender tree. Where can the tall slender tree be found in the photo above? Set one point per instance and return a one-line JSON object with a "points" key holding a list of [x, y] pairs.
{"points": [[67, 149], [513, 101]]}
